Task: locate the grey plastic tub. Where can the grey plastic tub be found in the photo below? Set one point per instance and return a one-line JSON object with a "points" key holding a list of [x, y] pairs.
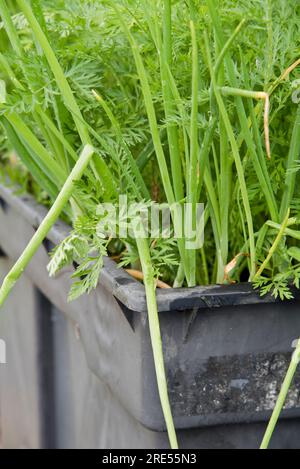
{"points": [[90, 377]]}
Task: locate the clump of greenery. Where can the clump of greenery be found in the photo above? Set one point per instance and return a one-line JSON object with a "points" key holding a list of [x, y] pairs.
{"points": [[181, 103], [157, 123]]}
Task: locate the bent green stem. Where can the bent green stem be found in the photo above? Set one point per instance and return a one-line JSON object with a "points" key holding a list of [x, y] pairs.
{"points": [[53, 214], [227, 90]]}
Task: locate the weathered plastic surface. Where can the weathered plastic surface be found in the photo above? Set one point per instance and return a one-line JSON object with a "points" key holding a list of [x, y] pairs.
{"points": [[19, 379], [226, 352]]}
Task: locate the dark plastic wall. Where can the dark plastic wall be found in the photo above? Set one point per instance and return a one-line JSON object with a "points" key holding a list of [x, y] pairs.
{"points": [[81, 375]]}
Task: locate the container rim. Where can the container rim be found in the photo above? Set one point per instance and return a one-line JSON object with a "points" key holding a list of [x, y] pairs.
{"points": [[126, 289]]}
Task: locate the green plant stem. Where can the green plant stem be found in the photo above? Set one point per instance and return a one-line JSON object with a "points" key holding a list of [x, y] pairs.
{"points": [[204, 167], [288, 232], [9, 28], [53, 214], [223, 171], [155, 334], [293, 156], [150, 110], [98, 164], [9, 72], [227, 46], [38, 151], [40, 176], [146, 154], [194, 149], [263, 176], [184, 118], [194, 144], [55, 67], [172, 132], [160, 155], [229, 91], [269, 48], [282, 397], [204, 152], [204, 265], [224, 176], [261, 239], [259, 164], [50, 141], [237, 159], [274, 246], [57, 134], [178, 282], [134, 168]]}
